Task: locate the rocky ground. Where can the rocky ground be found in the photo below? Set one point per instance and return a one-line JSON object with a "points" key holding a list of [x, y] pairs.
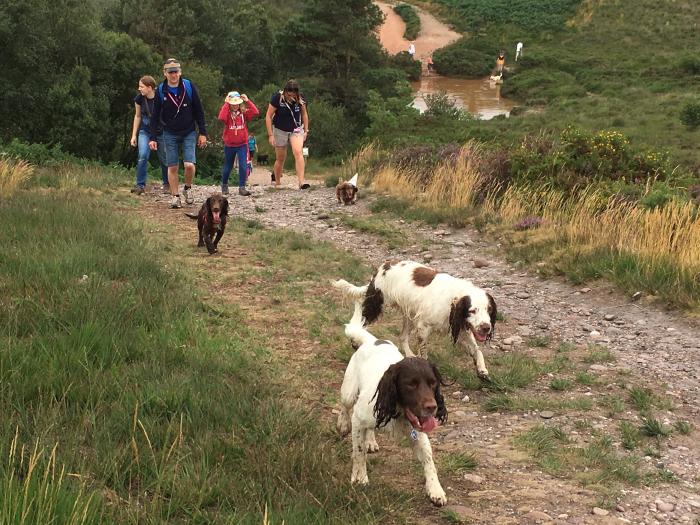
{"points": [[650, 347]]}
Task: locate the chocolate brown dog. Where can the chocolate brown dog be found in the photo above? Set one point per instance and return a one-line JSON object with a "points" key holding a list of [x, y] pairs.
{"points": [[211, 220]]}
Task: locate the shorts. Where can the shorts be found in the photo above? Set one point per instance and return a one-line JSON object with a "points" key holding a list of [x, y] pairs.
{"points": [[282, 137], [172, 147]]}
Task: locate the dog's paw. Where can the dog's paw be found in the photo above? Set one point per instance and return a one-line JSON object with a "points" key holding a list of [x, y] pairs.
{"points": [[484, 375], [371, 445], [437, 495], [361, 480]]}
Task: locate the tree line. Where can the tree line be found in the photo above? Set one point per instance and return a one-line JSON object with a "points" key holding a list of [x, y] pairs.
{"points": [[70, 67]]}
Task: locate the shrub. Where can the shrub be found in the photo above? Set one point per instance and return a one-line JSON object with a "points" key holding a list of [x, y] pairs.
{"points": [[463, 60], [690, 115], [410, 17], [406, 63], [38, 154]]}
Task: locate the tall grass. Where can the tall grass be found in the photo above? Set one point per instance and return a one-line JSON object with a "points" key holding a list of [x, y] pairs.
{"points": [[169, 408], [13, 173], [34, 489], [657, 250]]}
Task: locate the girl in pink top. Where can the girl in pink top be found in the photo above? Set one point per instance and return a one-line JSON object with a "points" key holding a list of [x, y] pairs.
{"points": [[235, 113]]}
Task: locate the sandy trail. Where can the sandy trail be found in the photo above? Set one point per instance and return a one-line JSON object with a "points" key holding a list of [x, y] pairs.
{"points": [[433, 33]]}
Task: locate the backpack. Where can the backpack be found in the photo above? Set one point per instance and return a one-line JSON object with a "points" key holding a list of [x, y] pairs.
{"points": [[185, 82]]}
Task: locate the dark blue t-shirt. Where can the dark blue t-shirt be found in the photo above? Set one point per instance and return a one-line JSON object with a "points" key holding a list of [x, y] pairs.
{"points": [[147, 105], [288, 114]]}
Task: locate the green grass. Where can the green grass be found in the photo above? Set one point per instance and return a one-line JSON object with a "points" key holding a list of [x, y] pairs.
{"points": [[683, 427], [457, 462], [560, 384], [641, 399], [654, 428], [159, 400], [630, 435], [392, 237], [598, 354]]}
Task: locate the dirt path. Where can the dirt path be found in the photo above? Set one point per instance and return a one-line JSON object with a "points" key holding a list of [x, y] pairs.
{"points": [[650, 348], [433, 33]]}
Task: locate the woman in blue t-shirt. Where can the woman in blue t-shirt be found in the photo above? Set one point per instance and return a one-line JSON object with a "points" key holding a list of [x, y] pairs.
{"points": [[287, 122], [140, 133]]}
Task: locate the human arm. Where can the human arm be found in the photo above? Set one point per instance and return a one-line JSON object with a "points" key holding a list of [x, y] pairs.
{"points": [[136, 125], [252, 110], [268, 123], [305, 120], [198, 111], [224, 113]]}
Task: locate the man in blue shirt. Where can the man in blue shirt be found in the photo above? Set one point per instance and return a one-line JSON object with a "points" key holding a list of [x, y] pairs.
{"points": [[178, 109]]}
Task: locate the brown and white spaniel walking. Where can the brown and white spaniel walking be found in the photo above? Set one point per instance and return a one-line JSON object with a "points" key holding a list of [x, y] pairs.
{"points": [[429, 300]]}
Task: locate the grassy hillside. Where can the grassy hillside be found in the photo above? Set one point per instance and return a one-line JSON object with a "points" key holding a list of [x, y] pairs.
{"points": [[629, 65]]}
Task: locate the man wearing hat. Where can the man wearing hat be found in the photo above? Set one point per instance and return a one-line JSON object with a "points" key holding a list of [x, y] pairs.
{"points": [[179, 110]]}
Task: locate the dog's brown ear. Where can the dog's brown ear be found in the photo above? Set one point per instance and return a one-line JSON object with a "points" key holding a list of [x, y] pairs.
{"points": [[458, 316], [207, 205], [387, 395], [493, 314], [224, 207]]}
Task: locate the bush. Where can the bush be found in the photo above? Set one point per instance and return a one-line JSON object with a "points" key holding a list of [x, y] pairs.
{"points": [[690, 116], [38, 154], [410, 17], [689, 64], [463, 60], [406, 63], [330, 133]]}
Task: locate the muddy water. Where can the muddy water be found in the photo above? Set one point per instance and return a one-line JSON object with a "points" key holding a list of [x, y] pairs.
{"points": [[479, 97]]}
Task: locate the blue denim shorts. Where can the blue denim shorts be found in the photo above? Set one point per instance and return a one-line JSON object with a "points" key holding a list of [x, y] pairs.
{"points": [[172, 147]]}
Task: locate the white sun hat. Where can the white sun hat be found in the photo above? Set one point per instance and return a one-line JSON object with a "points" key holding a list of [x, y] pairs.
{"points": [[353, 181]]}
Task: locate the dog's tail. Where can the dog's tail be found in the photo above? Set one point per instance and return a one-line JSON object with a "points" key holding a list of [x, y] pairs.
{"points": [[192, 215], [355, 331], [350, 290]]}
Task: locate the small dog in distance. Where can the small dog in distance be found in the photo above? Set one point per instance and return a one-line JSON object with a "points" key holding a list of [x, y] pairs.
{"points": [[346, 191]]}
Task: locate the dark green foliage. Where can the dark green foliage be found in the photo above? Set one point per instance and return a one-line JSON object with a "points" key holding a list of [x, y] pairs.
{"points": [[534, 15], [406, 63], [410, 17], [460, 59], [690, 115]]}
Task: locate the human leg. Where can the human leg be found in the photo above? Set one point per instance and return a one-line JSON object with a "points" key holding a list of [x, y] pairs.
{"points": [[280, 156], [229, 154], [142, 163], [242, 155], [163, 162], [296, 141], [189, 158]]}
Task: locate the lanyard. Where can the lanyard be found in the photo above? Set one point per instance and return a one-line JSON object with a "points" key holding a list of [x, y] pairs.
{"points": [[284, 101], [174, 101]]}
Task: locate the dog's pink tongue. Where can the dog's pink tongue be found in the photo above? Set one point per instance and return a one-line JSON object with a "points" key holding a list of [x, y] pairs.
{"points": [[216, 218], [427, 424]]}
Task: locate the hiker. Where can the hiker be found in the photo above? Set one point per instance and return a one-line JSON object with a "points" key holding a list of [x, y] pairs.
{"points": [[500, 61], [518, 51], [287, 122], [411, 49], [140, 133], [431, 66], [252, 145], [236, 111], [179, 110]]}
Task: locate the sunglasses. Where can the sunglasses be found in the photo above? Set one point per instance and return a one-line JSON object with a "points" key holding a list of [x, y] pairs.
{"points": [[171, 72], [293, 90]]}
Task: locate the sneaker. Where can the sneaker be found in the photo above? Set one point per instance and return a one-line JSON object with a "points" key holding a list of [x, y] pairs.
{"points": [[166, 188], [243, 191], [224, 189], [304, 186], [138, 190], [175, 202], [189, 198], [272, 176]]}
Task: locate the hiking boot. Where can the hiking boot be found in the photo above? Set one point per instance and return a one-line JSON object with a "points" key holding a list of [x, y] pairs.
{"points": [[272, 176], [189, 198], [138, 190], [165, 188], [243, 191], [224, 189], [304, 186], [175, 202]]}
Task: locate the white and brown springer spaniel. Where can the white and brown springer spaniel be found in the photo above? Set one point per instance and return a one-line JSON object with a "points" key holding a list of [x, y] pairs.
{"points": [[381, 388], [429, 300]]}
